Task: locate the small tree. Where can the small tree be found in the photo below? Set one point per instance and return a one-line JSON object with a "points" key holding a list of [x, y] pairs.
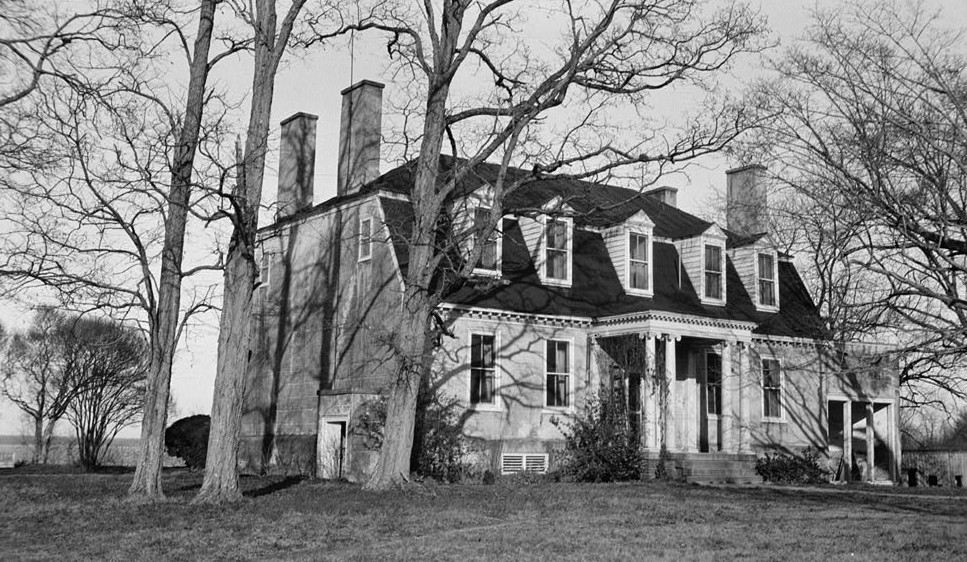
{"points": [[37, 379], [110, 360]]}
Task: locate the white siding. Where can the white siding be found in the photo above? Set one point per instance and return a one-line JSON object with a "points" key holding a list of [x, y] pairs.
{"points": [[616, 239], [532, 230]]}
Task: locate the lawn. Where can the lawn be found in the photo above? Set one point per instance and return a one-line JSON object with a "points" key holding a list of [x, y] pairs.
{"points": [[83, 516]]}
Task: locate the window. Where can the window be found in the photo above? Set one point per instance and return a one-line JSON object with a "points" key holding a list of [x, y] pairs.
{"points": [[365, 239], [767, 280], [638, 261], [265, 271], [713, 272], [488, 255], [482, 369], [713, 382], [556, 259], [558, 374], [771, 389]]}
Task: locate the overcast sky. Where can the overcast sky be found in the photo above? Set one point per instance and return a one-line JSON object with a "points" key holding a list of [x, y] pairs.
{"points": [[312, 84]]}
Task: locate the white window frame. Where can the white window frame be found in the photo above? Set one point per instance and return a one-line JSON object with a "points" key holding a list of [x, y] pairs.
{"points": [[365, 241], [498, 242], [775, 282], [495, 405], [650, 258], [570, 376], [709, 352], [722, 264], [569, 249], [782, 390]]}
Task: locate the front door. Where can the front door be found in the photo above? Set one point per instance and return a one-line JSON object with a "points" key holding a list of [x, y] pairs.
{"points": [[331, 448], [710, 403]]}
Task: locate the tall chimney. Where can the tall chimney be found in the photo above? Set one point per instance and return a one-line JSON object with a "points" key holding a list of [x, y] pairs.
{"points": [[297, 164], [359, 135], [666, 194], [747, 200]]}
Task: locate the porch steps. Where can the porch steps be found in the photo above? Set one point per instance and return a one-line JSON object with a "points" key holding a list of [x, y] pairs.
{"points": [[716, 468]]}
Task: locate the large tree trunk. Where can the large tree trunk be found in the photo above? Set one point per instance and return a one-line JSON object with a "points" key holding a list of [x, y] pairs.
{"points": [[165, 316], [393, 467], [413, 351], [48, 437], [221, 474]]}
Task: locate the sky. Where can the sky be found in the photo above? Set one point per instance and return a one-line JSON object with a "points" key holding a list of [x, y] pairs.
{"points": [[312, 84]]}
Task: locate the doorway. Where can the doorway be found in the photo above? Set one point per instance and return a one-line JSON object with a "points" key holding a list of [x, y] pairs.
{"points": [[331, 448]]}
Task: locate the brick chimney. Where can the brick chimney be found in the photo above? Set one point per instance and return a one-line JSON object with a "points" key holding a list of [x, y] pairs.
{"points": [[297, 164], [359, 136], [666, 194], [747, 200]]}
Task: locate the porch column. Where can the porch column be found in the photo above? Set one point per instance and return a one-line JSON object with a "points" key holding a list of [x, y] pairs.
{"points": [[869, 441], [651, 389], [729, 406], [672, 405], [848, 439], [691, 402], [746, 380]]}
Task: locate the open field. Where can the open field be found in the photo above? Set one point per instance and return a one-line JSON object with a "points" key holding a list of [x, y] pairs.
{"points": [[53, 514]]}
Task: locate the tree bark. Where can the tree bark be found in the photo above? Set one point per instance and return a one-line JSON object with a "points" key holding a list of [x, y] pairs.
{"points": [[39, 456], [221, 467], [393, 466], [165, 316], [48, 437]]}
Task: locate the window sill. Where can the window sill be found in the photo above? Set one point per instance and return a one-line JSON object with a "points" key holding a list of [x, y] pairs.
{"points": [[556, 282], [764, 308], [774, 420], [713, 302], [648, 293], [551, 410], [480, 272], [484, 407]]}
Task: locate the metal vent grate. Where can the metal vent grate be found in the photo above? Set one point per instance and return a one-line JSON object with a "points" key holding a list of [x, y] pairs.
{"points": [[510, 464]]}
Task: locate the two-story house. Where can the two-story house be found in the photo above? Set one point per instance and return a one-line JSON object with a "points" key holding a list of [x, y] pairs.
{"points": [[708, 333]]}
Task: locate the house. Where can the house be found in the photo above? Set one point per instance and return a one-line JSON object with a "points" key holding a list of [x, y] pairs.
{"points": [[707, 333]]}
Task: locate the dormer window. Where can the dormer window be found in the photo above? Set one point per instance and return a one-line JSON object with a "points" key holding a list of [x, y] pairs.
{"points": [[489, 261], [638, 278], [557, 250], [714, 265], [767, 279]]}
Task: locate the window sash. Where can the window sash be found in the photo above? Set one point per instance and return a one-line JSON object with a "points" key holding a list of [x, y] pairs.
{"points": [[638, 261], [558, 382], [767, 280], [713, 383], [556, 254], [365, 239], [713, 272], [488, 254], [482, 368], [771, 389]]}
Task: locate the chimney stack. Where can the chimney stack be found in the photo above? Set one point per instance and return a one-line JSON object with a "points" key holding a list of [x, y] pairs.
{"points": [[359, 135], [297, 164], [747, 200], [666, 194]]}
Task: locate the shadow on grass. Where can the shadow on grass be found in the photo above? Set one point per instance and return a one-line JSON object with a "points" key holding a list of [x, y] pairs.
{"points": [[283, 484]]}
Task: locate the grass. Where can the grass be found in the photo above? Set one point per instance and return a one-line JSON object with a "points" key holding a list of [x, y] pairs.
{"points": [[69, 515]]}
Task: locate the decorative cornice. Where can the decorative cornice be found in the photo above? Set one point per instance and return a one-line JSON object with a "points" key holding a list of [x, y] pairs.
{"points": [[738, 325], [525, 317]]}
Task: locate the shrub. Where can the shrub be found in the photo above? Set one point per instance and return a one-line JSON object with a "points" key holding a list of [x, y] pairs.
{"points": [[599, 445], [187, 439], [792, 469]]}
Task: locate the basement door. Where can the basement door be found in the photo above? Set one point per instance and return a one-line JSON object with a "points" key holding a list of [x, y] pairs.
{"points": [[331, 448]]}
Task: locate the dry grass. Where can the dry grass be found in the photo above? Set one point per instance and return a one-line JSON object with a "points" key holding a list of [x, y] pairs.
{"points": [[79, 516]]}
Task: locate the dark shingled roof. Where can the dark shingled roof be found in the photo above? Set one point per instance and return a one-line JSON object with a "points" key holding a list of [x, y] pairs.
{"points": [[595, 290]]}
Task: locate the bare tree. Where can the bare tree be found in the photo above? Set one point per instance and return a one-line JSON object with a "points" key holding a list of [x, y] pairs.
{"points": [[543, 104], [271, 39], [110, 360], [103, 222], [39, 379], [870, 134]]}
